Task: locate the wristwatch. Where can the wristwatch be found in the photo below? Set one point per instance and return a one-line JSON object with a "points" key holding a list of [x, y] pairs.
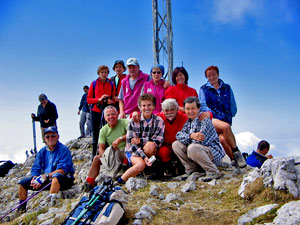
{"points": [[47, 175]]}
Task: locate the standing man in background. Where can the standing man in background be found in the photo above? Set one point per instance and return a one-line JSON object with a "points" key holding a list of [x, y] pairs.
{"points": [[46, 114], [85, 117]]}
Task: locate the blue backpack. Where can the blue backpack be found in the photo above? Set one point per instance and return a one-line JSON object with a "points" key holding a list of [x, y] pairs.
{"points": [[105, 205]]}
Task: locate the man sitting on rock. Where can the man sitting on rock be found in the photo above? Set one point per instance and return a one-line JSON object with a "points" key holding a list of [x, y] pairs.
{"points": [[113, 134], [143, 138], [258, 157], [53, 164], [198, 143]]}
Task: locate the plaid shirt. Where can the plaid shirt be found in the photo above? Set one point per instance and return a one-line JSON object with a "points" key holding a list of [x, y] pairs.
{"points": [[152, 131], [211, 139]]}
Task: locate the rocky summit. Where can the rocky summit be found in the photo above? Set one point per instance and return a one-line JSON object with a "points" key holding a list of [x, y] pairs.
{"points": [[269, 195]]}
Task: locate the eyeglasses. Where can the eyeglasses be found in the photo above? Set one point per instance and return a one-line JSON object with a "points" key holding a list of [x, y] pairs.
{"points": [[154, 72], [50, 136]]}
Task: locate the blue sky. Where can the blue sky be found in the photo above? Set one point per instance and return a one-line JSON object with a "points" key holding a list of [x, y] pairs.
{"points": [[54, 47]]}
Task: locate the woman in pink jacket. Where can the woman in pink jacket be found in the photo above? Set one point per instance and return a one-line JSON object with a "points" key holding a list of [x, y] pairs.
{"points": [[156, 86]]}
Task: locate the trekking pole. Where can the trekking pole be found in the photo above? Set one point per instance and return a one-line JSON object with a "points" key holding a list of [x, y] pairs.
{"points": [[25, 201], [103, 188], [34, 136]]}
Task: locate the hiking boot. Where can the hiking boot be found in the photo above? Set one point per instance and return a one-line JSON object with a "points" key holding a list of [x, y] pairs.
{"points": [[87, 187], [116, 183], [211, 176], [81, 136], [239, 159]]}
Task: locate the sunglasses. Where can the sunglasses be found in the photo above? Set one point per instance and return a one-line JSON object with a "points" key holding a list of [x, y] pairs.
{"points": [[52, 136], [154, 72]]}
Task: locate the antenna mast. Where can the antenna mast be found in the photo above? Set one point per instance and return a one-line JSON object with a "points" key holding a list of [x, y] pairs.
{"points": [[163, 35]]}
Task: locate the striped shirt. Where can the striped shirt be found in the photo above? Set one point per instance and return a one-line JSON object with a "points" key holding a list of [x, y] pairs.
{"points": [[211, 139], [145, 131]]}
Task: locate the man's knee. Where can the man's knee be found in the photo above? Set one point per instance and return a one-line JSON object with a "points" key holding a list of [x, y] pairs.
{"points": [[176, 146], [150, 148]]}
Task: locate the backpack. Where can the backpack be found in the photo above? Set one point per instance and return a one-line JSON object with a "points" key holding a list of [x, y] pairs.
{"points": [[5, 167], [105, 205]]}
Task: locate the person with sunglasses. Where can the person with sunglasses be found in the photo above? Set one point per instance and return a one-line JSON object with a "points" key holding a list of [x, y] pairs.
{"points": [[53, 164], [156, 86]]}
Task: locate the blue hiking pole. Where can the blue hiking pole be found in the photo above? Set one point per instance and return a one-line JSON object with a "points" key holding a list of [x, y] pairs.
{"points": [[34, 136]]}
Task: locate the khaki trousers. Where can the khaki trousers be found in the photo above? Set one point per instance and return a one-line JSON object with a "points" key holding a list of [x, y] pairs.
{"points": [[195, 154]]}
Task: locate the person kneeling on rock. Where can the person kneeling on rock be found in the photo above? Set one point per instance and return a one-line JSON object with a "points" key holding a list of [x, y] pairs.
{"points": [[53, 164], [198, 143], [143, 138]]}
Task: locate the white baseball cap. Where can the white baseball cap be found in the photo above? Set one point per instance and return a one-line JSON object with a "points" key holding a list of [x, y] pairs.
{"points": [[132, 62]]}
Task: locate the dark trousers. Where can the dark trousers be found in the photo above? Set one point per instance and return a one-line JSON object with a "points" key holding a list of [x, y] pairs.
{"points": [[97, 121]]}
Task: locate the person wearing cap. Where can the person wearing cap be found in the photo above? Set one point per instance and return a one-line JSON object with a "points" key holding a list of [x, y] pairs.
{"points": [[131, 88], [100, 95], [85, 117], [46, 114], [119, 68], [53, 163], [156, 86]]}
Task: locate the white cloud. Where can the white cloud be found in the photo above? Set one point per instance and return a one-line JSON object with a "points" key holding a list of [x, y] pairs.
{"points": [[12, 152], [228, 11], [247, 141]]}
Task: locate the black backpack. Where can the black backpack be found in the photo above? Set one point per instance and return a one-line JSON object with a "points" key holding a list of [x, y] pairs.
{"points": [[5, 167]]}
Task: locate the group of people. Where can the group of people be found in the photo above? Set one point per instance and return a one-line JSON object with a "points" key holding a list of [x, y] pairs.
{"points": [[138, 117]]}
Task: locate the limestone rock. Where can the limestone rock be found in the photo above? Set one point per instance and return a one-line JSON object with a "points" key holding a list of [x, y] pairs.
{"points": [[190, 186], [254, 213], [172, 197], [288, 214], [135, 183]]}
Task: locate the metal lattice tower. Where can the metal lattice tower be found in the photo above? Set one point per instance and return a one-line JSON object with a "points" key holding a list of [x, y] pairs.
{"points": [[163, 35]]}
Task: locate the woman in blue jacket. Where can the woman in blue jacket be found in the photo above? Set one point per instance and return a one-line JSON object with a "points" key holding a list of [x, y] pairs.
{"points": [[217, 97]]}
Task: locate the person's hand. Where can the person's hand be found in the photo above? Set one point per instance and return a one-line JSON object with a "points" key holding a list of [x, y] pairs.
{"points": [[166, 84], [180, 108], [116, 99], [78, 112], [197, 136], [146, 160], [269, 156], [122, 115], [135, 141], [116, 143], [47, 121], [136, 117], [37, 182], [102, 97], [204, 115], [109, 101]]}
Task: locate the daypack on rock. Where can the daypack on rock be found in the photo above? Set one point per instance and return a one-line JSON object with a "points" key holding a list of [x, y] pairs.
{"points": [[105, 205], [5, 167]]}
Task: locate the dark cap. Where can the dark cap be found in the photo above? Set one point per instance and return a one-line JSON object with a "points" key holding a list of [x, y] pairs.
{"points": [[119, 62], [52, 129], [42, 97]]}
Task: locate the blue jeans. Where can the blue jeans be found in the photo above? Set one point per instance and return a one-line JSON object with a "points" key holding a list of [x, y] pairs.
{"points": [[85, 118]]}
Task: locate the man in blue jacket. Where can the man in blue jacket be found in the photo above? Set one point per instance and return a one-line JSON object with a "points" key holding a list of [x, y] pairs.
{"points": [[53, 163], [258, 157], [46, 114]]}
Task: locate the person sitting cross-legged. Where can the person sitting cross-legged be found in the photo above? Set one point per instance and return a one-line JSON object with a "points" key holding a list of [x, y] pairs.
{"points": [[53, 163], [143, 138], [198, 143], [114, 134]]}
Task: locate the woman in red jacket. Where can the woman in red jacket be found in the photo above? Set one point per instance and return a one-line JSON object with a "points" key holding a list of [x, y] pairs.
{"points": [[100, 95], [181, 90]]}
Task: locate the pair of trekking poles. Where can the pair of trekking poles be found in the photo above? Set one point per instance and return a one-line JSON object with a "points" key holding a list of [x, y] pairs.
{"points": [[98, 195]]}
